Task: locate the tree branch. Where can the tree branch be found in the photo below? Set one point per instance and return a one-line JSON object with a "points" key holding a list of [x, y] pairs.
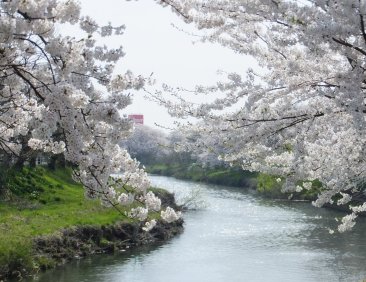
{"points": [[345, 43]]}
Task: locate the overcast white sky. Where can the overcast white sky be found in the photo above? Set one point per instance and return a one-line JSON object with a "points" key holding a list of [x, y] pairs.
{"points": [[153, 45]]}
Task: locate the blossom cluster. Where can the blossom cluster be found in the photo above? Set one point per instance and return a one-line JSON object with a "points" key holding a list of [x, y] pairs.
{"points": [[51, 99], [301, 113], [170, 215]]}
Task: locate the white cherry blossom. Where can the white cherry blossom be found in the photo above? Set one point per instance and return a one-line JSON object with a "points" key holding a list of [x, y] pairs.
{"points": [[51, 99], [301, 113]]}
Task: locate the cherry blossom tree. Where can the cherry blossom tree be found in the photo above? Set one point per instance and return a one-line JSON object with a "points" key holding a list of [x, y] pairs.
{"points": [[146, 144], [51, 100], [301, 113]]}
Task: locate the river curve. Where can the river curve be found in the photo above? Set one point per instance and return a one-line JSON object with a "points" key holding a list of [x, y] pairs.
{"points": [[236, 237]]}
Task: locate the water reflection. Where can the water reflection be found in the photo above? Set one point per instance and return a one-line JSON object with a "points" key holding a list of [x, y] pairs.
{"points": [[238, 237]]}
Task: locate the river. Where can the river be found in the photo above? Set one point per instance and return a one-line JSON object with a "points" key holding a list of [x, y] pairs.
{"points": [[238, 236]]}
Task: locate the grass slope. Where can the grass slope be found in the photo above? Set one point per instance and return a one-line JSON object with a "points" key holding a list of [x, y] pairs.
{"points": [[43, 202]]}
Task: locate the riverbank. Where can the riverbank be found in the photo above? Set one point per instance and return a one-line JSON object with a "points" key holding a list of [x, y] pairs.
{"points": [[265, 185], [219, 175], [47, 221], [237, 237]]}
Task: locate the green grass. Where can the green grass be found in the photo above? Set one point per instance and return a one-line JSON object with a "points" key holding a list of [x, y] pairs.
{"points": [[43, 203], [269, 187]]}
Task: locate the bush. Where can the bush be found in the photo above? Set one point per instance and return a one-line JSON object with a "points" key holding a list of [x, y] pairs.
{"points": [[268, 186]]}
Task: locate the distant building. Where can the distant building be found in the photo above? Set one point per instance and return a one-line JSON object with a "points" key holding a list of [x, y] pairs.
{"points": [[137, 119], [39, 158], [42, 159]]}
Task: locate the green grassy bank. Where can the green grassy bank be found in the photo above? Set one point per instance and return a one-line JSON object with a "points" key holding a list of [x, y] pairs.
{"points": [[266, 185], [43, 202], [194, 172]]}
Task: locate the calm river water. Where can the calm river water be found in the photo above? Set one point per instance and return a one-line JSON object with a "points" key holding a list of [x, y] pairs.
{"points": [[237, 237]]}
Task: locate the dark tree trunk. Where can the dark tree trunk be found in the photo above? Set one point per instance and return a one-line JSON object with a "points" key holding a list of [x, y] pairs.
{"points": [[32, 161], [52, 162], [62, 161], [19, 163]]}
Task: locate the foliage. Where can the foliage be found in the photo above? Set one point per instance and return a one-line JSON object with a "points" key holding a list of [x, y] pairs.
{"points": [[195, 172], [25, 181], [147, 145], [272, 186], [301, 113], [267, 185], [59, 95]]}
